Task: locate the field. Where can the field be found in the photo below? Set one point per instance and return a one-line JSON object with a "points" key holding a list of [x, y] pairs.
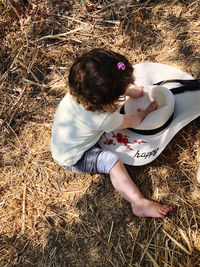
{"points": [[49, 217]]}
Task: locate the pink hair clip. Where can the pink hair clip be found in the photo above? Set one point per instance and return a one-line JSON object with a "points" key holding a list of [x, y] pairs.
{"points": [[121, 66]]}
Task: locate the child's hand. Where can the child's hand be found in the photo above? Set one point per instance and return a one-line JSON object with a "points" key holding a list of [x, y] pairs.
{"points": [[151, 107], [133, 120], [143, 113], [135, 92]]}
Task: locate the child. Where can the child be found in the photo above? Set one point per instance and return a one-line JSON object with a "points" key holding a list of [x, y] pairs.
{"points": [[98, 80]]}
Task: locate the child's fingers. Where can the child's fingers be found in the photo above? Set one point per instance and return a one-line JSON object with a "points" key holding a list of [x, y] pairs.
{"points": [[153, 104]]}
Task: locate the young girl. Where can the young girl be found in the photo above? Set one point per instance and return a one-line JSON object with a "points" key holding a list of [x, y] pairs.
{"points": [[98, 80]]}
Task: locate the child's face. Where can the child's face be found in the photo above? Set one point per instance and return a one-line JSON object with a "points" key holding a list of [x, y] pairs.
{"points": [[131, 85]]}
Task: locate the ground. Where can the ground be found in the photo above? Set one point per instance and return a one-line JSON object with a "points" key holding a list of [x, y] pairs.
{"points": [[50, 217]]}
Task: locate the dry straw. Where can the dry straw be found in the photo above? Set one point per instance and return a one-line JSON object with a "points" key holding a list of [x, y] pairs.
{"points": [[53, 218]]}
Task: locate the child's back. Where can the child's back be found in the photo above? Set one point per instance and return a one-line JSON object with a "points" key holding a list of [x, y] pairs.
{"points": [[76, 129]]}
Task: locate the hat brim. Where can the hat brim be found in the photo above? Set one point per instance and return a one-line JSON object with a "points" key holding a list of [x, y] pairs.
{"points": [[137, 149]]}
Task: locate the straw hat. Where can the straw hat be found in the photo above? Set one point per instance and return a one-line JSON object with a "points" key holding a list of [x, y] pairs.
{"points": [[143, 144]]}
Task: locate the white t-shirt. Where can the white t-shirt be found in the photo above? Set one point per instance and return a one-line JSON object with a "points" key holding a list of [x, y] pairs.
{"points": [[76, 129]]}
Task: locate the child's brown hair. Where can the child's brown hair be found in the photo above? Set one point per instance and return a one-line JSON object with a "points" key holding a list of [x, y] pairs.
{"points": [[97, 82]]}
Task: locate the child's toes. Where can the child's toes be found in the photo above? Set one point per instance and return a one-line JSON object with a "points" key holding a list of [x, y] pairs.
{"points": [[165, 209]]}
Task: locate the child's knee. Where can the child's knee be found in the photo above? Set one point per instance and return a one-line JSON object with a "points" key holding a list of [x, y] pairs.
{"points": [[118, 166]]}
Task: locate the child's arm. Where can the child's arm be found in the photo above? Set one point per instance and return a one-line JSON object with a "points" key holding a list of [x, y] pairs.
{"points": [[133, 120]]}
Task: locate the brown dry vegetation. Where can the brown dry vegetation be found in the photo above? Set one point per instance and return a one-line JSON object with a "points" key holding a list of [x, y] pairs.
{"points": [[50, 217]]}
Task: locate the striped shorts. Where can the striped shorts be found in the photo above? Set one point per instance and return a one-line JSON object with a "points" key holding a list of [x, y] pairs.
{"points": [[94, 160]]}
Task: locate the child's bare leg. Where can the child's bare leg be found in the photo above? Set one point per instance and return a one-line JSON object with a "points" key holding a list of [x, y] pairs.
{"points": [[141, 206]]}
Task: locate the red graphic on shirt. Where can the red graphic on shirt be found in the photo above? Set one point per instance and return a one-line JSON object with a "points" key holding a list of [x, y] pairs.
{"points": [[122, 139]]}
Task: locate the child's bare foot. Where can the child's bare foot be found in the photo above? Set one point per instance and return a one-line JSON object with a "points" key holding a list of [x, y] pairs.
{"points": [[136, 92], [148, 208]]}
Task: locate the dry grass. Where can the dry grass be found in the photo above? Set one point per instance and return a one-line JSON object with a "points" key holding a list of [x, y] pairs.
{"points": [[53, 218]]}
